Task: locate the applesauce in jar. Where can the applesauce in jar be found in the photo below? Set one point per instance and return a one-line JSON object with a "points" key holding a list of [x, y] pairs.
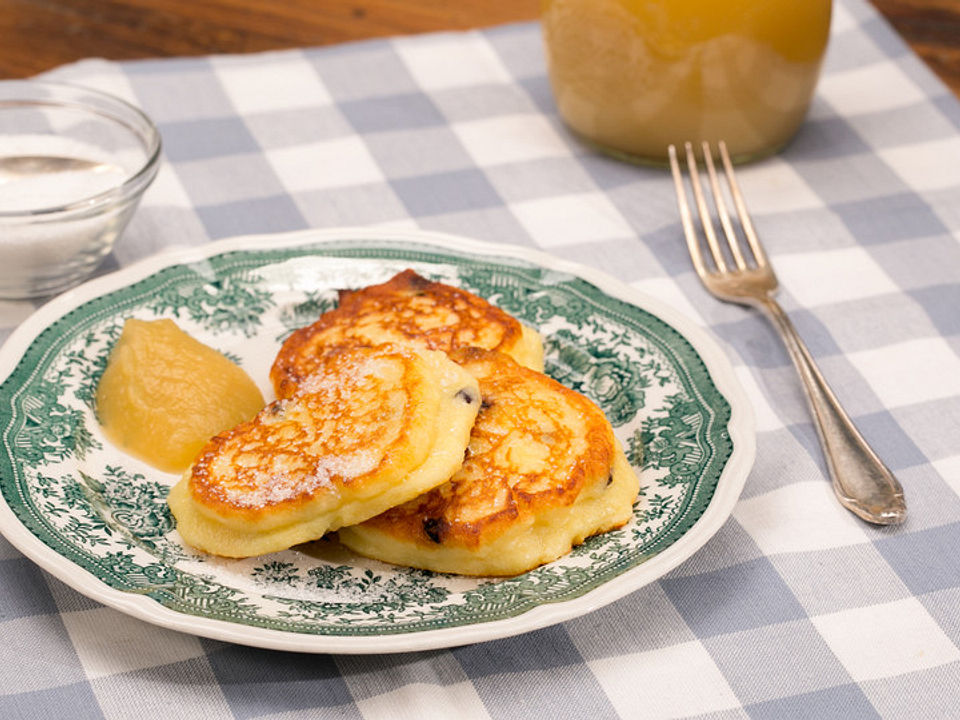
{"points": [[633, 76]]}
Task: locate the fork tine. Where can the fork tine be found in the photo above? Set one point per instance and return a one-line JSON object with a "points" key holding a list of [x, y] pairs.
{"points": [[759, 255], [705, 220], [686, 218], [732, 242]]}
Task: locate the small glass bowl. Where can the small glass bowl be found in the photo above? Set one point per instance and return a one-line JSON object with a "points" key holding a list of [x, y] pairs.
{"points": [[56, 227]]}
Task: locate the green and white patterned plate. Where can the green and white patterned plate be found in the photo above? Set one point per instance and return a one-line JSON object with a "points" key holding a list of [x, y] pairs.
{"points": [[97, 518]]}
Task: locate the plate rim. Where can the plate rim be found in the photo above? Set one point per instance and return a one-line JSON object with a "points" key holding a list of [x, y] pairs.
{"points": [[741, 428]]}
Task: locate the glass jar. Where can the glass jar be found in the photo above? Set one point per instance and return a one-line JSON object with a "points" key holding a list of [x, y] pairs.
{"points": [[630, 77]]}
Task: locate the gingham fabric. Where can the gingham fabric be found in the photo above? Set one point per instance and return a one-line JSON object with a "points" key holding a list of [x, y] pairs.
{"points": [[795, 608]]}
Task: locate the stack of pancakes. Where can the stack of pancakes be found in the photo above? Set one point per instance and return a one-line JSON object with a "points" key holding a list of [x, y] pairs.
{"points": [[416, 420]]}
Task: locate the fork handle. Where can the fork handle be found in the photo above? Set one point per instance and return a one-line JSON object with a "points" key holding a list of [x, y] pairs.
{"points": [[862, 483]]}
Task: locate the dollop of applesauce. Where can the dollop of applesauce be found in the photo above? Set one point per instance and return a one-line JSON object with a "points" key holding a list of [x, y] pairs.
{"points": [[163, 394]]}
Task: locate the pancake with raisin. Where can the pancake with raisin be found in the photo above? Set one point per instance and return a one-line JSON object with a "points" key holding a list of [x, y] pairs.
{"points": [[543, 472], [370, 428], [406, 308]]}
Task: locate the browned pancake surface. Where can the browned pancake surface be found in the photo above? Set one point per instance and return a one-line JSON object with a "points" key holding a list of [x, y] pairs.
{"points": [[406, 308], [349, 421], [373, 428], [536, 445]]}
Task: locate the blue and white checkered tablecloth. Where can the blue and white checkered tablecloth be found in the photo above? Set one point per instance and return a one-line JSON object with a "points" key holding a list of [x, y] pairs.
{"points": [[812, 613]]}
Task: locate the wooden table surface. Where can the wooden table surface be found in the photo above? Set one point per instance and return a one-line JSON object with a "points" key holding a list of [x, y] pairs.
{"points": [[39, 34]]}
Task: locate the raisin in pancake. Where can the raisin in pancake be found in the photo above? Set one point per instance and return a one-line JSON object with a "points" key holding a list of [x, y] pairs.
{"points": [[371, 428], [406, 308], [543, 472]]}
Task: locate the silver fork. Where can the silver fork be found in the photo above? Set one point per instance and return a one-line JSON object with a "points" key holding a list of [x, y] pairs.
{"points": [[861, 481]]}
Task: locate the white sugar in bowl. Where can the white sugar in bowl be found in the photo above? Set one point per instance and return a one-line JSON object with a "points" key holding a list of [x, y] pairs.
{"points": [[74, 164]]}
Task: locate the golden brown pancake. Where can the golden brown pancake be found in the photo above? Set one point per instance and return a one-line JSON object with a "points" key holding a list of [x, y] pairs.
{"points": [[542, 472], [371, 428], [406, 308]]}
